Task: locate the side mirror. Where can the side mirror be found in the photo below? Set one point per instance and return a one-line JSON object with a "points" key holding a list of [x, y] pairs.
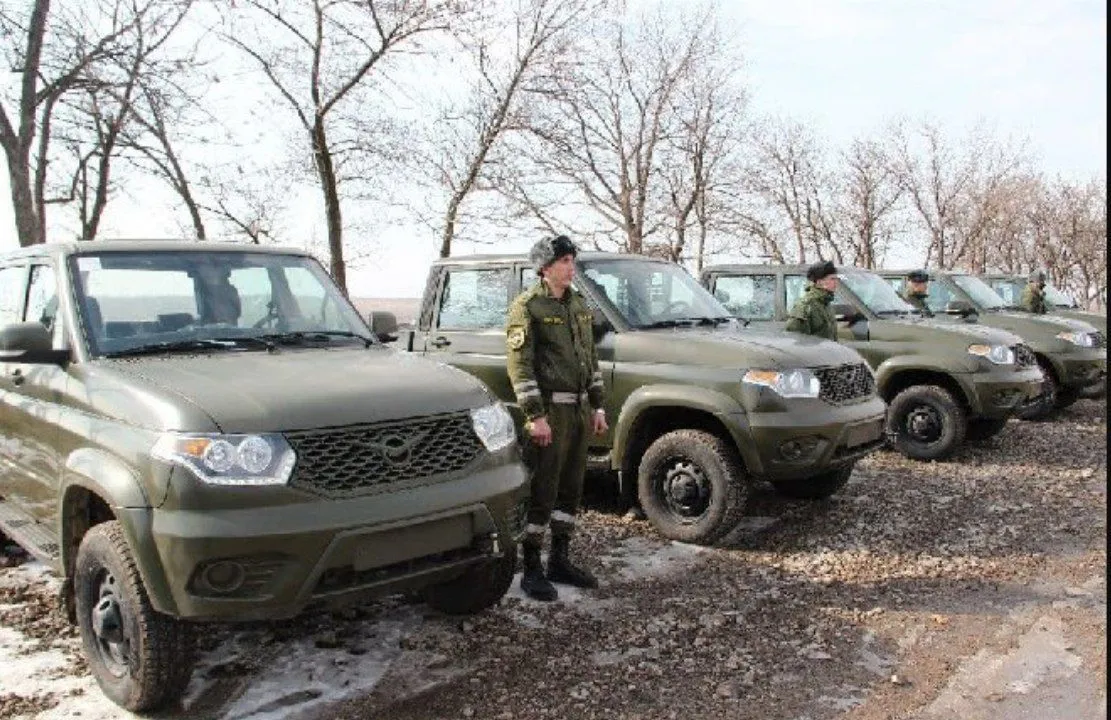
{"points": [[383, 325], [844, 312], [29, 342], [961, 308]]}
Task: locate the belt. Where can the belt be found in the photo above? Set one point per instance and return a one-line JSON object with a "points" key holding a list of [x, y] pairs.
{"points": [[568, 398]]}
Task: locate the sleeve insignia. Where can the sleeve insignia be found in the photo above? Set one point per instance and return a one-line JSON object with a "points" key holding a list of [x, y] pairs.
{"points": [[516, 338]]}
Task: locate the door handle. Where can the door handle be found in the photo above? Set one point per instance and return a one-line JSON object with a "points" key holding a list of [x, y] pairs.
{"points": [[440, 342], [17, 377]]}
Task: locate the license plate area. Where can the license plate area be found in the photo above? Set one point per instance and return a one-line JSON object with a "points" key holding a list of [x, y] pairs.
{"points": [[864, 433], [413, 541]]}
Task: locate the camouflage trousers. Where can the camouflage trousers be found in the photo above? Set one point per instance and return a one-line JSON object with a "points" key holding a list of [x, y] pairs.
{"points": [[557, 472]]}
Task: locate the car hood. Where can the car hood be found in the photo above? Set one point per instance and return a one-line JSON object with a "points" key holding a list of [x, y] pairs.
{"points": [[1057, 323], [733, 347], [940, 329], [305, 389]]}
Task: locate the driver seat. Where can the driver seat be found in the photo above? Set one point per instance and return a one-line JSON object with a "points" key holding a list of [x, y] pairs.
{"points": [[221, 305]]}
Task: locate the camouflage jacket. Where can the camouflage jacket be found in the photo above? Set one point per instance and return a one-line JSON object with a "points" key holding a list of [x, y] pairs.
{"points": [[1033, 300], [550, 348], [918, 302], [812, 314]]}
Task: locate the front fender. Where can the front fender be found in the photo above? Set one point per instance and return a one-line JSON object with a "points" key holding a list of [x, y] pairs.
{"points": [[690, 397], [948, 364]]}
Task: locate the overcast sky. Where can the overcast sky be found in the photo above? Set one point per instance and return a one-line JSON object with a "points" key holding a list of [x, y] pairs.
{"points": [[1033, 69]]}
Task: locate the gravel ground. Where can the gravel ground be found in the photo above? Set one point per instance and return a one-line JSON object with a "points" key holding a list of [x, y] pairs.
{"points": [[970, 588]]}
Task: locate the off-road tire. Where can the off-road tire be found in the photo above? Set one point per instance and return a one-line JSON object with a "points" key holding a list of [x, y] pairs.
{"points": [[982, 429], [816, 487], [1045, 406], [478, 588], [717, 463], [930, 399], [160, 649]]}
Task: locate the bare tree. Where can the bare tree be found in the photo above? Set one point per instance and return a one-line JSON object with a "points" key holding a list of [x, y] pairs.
{"points": [[868, 196], [596, 152], [955, 190], [55, 49], [317, 55]]}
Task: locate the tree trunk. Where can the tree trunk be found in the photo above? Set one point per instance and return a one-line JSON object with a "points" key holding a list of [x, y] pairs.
{"points": [[327, 172], [28, 224]]}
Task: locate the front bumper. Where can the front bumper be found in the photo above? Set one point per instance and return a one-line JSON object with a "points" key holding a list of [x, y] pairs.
{"points": [[998, 393], [1085, 374], [270, 562], [816, 438]]}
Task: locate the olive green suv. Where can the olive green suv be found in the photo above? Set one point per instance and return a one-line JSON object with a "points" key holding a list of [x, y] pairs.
{"points": [[701, 407], [207, 432], [944, 383], [1072, 354]]}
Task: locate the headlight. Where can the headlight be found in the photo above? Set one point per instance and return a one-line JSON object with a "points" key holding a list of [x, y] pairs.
{"points": [[998, 354], [796, 383], [230, 459], [1078, 338], [494, 426]]}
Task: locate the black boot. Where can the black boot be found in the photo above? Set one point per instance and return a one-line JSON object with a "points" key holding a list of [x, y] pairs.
{"points": [[533, 582], [562, 570]]}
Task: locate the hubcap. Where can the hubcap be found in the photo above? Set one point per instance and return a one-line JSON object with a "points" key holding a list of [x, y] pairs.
{"points": [[924, 424], [685, 490], [107, 621]]}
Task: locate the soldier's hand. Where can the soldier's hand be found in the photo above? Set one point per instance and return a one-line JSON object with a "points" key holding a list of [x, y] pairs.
{"points": [[540, 432], [600, 424]]}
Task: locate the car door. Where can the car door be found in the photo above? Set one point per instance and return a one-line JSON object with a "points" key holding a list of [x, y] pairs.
{"points": [[467, 325], [32, 407]]}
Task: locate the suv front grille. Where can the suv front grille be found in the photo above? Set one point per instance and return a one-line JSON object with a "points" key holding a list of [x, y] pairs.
{"points": [[358, 459], [845, 383], [1024, 356]]}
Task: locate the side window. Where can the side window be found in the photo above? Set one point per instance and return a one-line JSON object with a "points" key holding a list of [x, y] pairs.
{"points": [[1006, 290], [253, 286], [12, 287], [939, 296], [750, 296], [475, 299], [896, 284], [794, 286], [42, 298]]}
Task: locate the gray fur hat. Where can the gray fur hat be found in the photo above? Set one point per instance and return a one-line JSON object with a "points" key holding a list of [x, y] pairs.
{"points": [[547, 251]]}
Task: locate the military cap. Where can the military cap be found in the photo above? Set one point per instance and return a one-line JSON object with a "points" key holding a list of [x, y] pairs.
{"points": [[819, 270], [547, 251], [918, 276], [1037, 276]]}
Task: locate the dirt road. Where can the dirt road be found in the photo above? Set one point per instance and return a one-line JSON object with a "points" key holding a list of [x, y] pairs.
{"points": [[966, 589]]}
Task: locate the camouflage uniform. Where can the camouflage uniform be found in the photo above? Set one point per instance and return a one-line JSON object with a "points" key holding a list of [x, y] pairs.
{"points": [[553, 366], [812, 314], [917, 301], [1033, 299]]}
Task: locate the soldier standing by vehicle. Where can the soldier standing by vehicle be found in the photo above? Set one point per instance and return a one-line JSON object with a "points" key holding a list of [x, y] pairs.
{"points": [[917, 290], [1033, 295], [553, 367], [812, 314]]}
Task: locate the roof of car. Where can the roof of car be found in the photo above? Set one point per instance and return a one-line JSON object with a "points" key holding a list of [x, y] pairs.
{"points": [[788, 267], [523, 257], [148, 245]]}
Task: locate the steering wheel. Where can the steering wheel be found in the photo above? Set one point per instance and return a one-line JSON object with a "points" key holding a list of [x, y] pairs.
{"points": [[678, 307], [271, 319]]}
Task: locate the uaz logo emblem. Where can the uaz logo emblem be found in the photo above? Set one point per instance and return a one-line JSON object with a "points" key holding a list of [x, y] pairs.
{"points": [[394, 448]]}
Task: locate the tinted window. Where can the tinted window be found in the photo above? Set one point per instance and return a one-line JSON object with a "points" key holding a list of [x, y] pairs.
{"points": [[749, 296], [12, 285], [475, 299], [794, 286], [649, 293]]}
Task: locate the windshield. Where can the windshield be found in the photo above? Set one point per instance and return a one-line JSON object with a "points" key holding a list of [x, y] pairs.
{"points": [[876, 293], [1010, 290], [1058, 298], [982, 296], [212, 300], [654, 294]]}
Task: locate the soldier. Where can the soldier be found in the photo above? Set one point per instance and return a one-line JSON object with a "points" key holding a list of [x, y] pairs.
{"points": [[1033, 295], [812, 314], [916, 291], [554, 370]]}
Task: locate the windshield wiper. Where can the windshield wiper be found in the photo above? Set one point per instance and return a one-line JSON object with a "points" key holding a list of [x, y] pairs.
{"points": [[885, 313], [175, 346], [685, 322], [300, 336]]}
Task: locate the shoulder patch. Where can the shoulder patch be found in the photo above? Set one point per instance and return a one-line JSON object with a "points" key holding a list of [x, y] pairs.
{"points": [[516, 338]]}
